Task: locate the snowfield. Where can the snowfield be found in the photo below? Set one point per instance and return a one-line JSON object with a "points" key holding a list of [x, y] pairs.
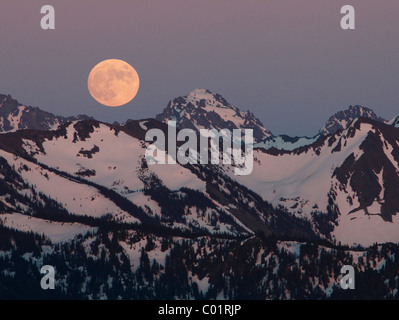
{"points": [[306, 177], [55, 231], [301, 182], [77, 198]]}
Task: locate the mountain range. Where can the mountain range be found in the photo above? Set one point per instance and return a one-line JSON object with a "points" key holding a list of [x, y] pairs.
{"points": [[83, 187]]}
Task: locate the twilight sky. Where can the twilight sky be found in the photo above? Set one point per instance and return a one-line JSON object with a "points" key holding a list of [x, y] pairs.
{"points": [[288, 61]]}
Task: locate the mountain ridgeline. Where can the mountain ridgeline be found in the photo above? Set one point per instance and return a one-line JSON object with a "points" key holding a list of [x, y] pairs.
{"points": [[15, 116]]}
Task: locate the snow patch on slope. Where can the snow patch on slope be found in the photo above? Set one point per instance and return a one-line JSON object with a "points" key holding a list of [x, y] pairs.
{"points": [[55, 231], [358, 228], [77, 198]]}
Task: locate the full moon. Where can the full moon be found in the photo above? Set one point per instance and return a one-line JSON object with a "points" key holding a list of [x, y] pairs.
{"points": [[113, 82]]}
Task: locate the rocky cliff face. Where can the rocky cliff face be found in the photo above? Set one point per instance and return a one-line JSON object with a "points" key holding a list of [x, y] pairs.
{"points": [[15, 116], [202, 109], [342, 119]]}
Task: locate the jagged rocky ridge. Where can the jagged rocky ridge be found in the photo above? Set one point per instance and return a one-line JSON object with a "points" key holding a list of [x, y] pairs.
{"points": [[342, 119], [15, 116], [202, 109]]}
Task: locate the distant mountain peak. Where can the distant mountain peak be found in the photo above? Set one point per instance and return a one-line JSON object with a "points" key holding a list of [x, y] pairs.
{"points": [[15, 116], [203, 109], [341, 119]]}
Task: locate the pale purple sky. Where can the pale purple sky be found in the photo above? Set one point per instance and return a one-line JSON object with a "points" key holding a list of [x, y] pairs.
{"points": [[287, 61]]}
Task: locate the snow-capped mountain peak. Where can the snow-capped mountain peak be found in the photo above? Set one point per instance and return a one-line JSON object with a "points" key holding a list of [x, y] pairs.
{"points": [[341, 119], [203, 109]]}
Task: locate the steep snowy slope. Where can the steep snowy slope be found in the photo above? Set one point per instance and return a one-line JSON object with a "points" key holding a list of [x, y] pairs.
{"points": [[352, 177]]}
